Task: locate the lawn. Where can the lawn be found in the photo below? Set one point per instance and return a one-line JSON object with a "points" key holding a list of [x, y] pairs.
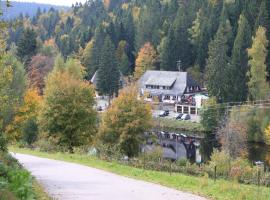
{"points": [[177, 125], [220, 190]]}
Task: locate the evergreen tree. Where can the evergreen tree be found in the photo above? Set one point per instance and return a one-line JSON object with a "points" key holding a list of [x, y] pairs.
{"points": [[264, 21], [108, 76], [167, 52], [148, 24], [217, 64], [239, 62], [27, 45], [122, 58], [183, 49], [93, 52], [257, 84]]}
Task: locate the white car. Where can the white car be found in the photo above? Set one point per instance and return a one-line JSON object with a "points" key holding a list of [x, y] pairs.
{"points": [[185, 117]]}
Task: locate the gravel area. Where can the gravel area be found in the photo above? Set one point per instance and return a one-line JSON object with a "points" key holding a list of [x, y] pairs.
{"points": [[67, 181]]}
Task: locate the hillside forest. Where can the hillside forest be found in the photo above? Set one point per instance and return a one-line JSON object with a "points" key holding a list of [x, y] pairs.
{"points": [[222, 43]]}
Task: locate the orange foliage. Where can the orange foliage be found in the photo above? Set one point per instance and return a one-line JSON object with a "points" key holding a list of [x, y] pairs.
{"points": [[145, 60], [39, 68], [28, 110]]}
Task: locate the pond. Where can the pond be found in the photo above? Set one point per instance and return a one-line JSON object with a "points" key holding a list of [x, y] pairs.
{"points": [[259, 152]]}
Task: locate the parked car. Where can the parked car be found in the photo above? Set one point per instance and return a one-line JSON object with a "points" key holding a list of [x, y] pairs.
{"points": [[179, 116], [164, 113], [186, 117], [99, 109]]}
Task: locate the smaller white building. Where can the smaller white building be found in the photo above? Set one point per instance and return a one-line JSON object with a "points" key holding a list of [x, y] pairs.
{"points": [[192, 104]]}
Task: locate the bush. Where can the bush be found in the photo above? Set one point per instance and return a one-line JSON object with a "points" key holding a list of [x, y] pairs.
{"points": [[221, 160], [15, 183], [30, 132], [20, 183]]}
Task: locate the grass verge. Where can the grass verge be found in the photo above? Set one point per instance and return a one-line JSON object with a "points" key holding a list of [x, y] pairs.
{"points": [[39, 191], [220, 190]]}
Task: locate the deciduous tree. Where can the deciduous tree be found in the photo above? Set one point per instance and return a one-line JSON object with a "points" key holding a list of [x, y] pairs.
{"points": [[125, 122], [145, 60], [67, 112], [257, 85]]}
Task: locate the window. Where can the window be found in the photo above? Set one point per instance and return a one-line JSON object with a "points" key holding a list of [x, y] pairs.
{"points": [[174, 98], [186, 110], [167, 97], [179, 109], [193, 111]]}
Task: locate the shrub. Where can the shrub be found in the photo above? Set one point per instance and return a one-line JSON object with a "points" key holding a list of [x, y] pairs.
{"points": [[20, 183], [30, 132], [221, 160]]}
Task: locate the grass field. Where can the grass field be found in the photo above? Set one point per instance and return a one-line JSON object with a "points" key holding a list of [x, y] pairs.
{"points": [[220, 190], [176, 125]]}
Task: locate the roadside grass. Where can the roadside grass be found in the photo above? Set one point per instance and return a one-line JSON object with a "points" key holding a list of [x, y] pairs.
{"points": [[177, 125], [39, 191], [220, 190]]}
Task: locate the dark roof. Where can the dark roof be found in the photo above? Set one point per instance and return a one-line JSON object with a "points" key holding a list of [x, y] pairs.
{"points": [[178, 80]]}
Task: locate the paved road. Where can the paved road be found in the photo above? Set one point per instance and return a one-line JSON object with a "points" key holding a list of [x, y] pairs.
{"points": [[67, 181]]}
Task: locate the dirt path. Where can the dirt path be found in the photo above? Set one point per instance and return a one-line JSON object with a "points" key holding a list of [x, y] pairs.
{"points": [[67, 181]]}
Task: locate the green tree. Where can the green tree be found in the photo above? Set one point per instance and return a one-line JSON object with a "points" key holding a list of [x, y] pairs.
{"points": [[67, 112], [125, 122], [27, 46], [239, 63], [217, 64], [108, 75], [257, 85], [210, 116], [167, 52], [122, 58], [263, 20], [12, 85], [147, 29], [182, 48], [92, 54]]}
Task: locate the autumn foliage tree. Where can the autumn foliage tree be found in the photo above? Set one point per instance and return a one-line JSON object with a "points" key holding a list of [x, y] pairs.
{"points": [[39, 68], [67, 112], [145, 60], [125, 122], [25, 120], [257, 84]]}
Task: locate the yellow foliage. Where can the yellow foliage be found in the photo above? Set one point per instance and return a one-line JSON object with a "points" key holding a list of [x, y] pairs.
{"points": [[145, 60], [28, 110], [126, 120], [267, 134]]}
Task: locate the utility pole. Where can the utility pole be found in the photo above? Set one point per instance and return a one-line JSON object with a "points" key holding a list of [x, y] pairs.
{"points": [[179, 65]]}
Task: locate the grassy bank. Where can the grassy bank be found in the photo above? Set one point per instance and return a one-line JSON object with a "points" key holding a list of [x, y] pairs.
{"points": [[221, 189], [177, 125], [40, 192]]}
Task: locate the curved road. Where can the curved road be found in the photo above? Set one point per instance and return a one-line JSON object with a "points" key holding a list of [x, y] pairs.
{"points": [[67, 181]]}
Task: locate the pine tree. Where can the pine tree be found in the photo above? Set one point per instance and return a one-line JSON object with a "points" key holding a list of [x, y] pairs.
{"points": [[257, 84], [239, 62], [148, 24], [27, 46], [217, 64], [108, 73], [167, 52], [92, 53], [183, 45]]}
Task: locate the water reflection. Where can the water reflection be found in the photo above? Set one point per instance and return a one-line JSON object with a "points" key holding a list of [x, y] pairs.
{"points": [[259, 152]]}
